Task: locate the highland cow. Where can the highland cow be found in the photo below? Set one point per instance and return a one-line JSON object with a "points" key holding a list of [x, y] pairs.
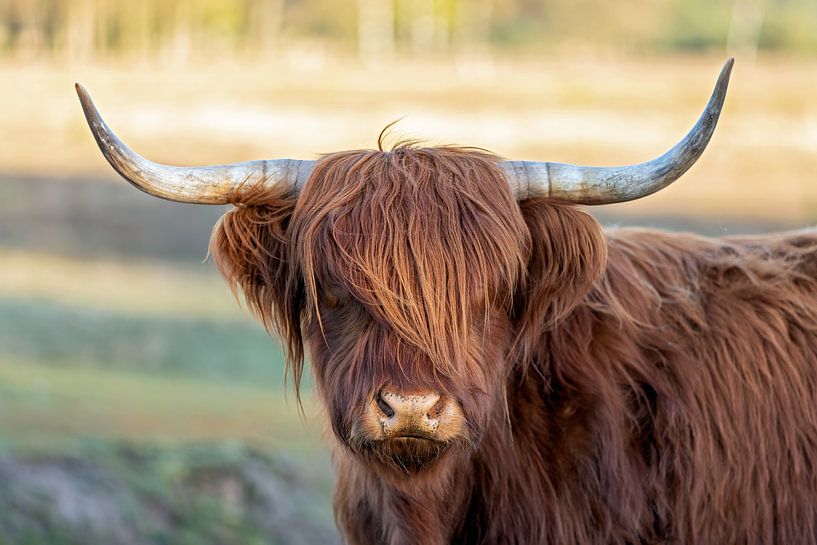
{"points": [[496, 368]]}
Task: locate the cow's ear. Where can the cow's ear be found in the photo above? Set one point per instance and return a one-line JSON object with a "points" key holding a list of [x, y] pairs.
{"points": [[568, 254], [250, 245]]}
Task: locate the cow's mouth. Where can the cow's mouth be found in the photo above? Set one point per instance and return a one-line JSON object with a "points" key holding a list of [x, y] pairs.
{"points": [[409, 453], [410, 436]]}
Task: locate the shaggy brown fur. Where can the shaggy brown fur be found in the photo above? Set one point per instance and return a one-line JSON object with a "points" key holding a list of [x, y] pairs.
{"points": [[632, 387]]}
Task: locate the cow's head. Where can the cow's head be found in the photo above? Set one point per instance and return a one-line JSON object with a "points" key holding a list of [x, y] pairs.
{"points": [[415, 278]]}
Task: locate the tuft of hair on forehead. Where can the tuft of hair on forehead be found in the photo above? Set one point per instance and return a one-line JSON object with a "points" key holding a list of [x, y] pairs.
{"points": [[428, 240]]}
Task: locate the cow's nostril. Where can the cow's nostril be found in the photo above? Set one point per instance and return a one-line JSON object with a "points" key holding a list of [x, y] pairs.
{"points": [[384, 407], [435, 411]]}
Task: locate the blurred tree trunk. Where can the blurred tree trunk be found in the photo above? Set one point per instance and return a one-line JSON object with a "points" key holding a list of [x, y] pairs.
{"points": [[31, 37], [422, 26], [5, 22], [180, 43], [101, 20], [137, 29], [744, 28], [443, 17], [474, 24], [80, 31], [472, 37], [264, 22], [375, 30]]}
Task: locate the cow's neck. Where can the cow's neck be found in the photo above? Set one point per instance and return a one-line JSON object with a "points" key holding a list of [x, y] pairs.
{"points": [[422, 517], [422, 513], [373, 507]]}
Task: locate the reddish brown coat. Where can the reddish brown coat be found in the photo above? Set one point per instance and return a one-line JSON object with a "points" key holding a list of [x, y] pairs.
{"points": [[628, 387]]}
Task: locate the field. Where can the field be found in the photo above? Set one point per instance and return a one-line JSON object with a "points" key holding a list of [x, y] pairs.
{"points": [[118, 341], [124, 363], [131, 378]]}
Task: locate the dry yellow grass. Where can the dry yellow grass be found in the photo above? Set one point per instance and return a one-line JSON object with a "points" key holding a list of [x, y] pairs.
{"points": [[140, 289]]}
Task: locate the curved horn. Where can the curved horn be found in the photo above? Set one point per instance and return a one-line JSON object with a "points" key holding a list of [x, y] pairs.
{"points": [[604, 185], [220, 184]]}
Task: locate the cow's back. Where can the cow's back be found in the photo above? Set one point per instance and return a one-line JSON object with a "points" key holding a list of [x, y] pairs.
{"points": [[708, 352]]}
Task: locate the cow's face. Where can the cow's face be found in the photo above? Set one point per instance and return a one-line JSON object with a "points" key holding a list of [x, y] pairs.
{"points": [[406, 276], [409, 261]]}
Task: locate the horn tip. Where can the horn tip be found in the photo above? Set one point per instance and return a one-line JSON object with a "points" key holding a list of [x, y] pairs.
{"points": [[727, 66], [84, 97]]}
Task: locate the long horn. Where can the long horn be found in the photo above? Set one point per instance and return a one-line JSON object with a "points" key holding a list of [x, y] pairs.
{"points": [[604, 185], [220, 184]]}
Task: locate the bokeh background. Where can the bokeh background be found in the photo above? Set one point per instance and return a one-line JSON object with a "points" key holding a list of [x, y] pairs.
{"points": [[139, 404]]}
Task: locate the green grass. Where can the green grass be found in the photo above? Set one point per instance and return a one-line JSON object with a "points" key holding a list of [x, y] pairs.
{"points": [[168, 356], [192, 494], [108, 416], [144, 396], [53, 334], [41, 404]]}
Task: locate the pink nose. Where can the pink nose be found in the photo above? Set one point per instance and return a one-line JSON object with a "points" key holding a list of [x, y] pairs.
{"points": [[415, 414]]}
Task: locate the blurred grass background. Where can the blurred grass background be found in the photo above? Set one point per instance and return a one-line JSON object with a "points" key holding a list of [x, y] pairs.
{"points": [[130, 377]]}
